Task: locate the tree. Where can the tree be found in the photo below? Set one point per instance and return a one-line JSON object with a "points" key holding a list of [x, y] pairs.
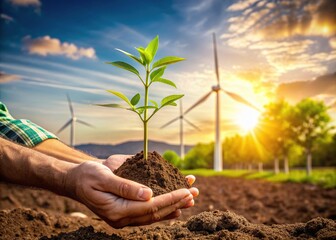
{"points": [[200, 156], [309, 124], [232, 151], [273, 131], [252, 152], [173, 158]]}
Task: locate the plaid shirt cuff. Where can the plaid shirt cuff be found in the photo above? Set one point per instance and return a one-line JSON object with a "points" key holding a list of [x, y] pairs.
{"points": [[21, 131]]}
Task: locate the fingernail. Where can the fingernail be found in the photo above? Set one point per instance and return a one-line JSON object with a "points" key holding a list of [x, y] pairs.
{"points": [[145, 193]]}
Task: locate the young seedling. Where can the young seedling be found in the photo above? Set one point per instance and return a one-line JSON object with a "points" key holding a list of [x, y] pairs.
{"points": [[154, 74]]}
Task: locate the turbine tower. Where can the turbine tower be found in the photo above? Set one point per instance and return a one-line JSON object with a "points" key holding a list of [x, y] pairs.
{"points": [[216, 89], [182, 119], [72, 122]]}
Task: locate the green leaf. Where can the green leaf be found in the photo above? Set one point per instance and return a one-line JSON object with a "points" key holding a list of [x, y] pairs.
{"points": [[152, 48], [170, 99], [154, 103], [135, 99], [112, 105], [166, 60], [172, 104], [157, 73], [125, 66], [165, 81], [131, 56], [121, 96], [144, 55]]}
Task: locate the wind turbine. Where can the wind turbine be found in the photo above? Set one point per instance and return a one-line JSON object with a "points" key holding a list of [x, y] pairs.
{"points": [[181, 118], [72, 122], [216, 89]]}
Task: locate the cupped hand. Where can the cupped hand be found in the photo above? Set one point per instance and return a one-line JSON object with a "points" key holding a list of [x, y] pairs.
{"points": [[121, 202]]}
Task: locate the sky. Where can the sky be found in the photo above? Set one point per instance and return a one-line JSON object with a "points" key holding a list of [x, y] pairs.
{"points": [[49, 49]]}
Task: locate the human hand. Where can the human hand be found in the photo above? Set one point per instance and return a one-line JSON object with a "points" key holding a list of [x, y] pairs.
{"points": [[121, 202], [113, 162]]}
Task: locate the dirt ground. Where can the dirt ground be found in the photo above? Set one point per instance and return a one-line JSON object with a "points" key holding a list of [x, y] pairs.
{"points": [[227, 208]]}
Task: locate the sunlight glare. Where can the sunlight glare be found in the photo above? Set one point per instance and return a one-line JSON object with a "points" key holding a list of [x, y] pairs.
{"points": [[247, 119], [325, 29]]}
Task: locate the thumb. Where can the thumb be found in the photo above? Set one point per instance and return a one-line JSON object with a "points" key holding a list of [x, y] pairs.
{"points": [[128, 189]]}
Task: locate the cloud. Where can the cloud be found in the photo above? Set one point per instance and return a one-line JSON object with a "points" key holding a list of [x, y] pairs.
{"points": [[289, 18], [332, 42], [200, 6], [295, 91], [24, 3], [285, 33], [6, 18], [52, 46], [5, 78], [241, 5]]}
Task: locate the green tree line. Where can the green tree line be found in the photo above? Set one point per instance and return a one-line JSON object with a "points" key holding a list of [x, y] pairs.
{"points": [[286, 136]]}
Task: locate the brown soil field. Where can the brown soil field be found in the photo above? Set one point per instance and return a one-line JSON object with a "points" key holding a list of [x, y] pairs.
{"points": [[227, 208]]}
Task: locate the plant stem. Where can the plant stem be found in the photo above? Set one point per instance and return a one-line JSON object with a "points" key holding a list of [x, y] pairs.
{"points": [[145, 122]]}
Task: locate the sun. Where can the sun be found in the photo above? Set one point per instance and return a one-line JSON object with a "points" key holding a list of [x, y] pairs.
{"points": [[247, 119]]}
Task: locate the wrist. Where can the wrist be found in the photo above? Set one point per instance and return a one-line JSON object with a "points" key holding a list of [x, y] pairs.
{"points": [[69, 182], [51, 174]]}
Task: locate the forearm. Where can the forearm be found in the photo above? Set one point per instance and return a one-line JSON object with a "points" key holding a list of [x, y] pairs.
{"points": [[25, 166], [59, 150]]}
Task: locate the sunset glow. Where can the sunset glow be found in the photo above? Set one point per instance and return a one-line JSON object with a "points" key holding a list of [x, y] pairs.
{"points": [[247, 119]]}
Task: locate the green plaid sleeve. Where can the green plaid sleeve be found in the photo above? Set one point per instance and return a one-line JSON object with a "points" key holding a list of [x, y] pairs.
{"points": [[21, 131]]}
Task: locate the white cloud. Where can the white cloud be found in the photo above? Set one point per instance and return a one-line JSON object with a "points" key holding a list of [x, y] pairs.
{"points": [[241, 5], [201, 6], [6, 18], [332, 42], [5, 78], [52, 46], [24, 3], [274, 32]]}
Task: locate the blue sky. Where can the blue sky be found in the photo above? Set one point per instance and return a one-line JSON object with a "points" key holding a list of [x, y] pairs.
{"points": [[52, 48]]}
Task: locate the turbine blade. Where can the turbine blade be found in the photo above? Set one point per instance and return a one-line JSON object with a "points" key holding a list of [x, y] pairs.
{"points": [[240, 99], [198, 102], [70, 106], [191, 124], [84, 123], [170, 122], [64, 126], [216, 57]]}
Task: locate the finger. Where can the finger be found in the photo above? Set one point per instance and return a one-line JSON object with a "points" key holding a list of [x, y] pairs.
{"points": [[189, 204], [119, 157], [115, 161], [137, 208], [191, 179], [194, 191], [160, 215], [126, 188], [173, 215]]}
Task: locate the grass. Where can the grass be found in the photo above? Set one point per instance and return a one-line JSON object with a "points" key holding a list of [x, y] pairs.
{"points": [[325, 177]]}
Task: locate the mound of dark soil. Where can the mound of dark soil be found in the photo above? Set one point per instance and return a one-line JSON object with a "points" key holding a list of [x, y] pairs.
{"points": [[29, 213], [210, 225], [155, 172]]}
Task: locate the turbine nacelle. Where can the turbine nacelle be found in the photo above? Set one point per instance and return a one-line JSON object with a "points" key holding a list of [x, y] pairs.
{"points": [[216, 88]]}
